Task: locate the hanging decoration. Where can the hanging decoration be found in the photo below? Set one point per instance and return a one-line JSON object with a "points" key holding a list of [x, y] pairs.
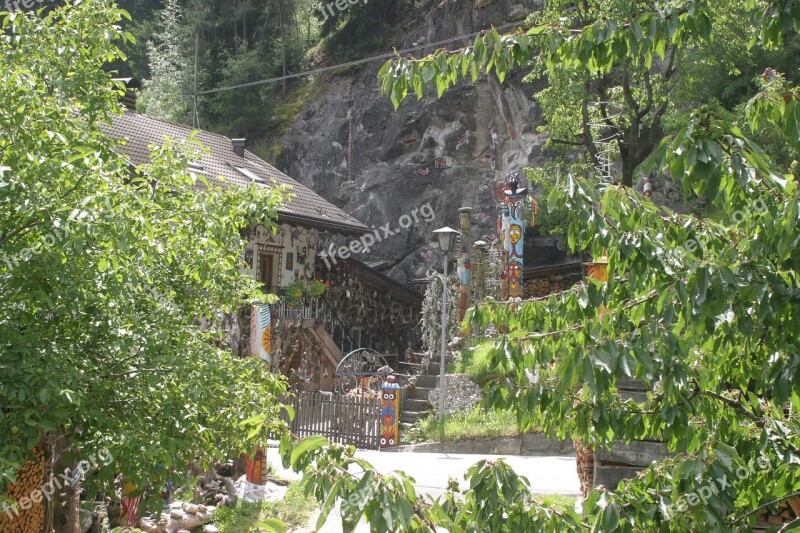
{"points": [[261, 332]]}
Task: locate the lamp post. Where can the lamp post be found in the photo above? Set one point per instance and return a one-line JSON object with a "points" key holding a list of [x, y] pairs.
{"points": [[446, 237]]}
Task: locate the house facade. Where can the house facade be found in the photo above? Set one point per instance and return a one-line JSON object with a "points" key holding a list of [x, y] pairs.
{"points": [[301, 335]]}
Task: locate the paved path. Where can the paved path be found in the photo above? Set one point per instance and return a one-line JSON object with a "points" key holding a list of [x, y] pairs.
{"points": [[431, 471]]}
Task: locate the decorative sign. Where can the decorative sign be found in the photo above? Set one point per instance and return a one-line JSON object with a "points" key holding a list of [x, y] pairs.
{"points": [[260, 331]]}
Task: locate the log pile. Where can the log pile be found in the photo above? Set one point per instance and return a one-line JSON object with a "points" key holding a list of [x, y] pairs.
{"points": [[542, 286], [29, 515], [785, 513]]}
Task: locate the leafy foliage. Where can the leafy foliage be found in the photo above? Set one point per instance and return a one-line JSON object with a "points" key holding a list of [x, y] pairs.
{"points": [[701, 311], [114, 286], [497, 499], [610, 67]]}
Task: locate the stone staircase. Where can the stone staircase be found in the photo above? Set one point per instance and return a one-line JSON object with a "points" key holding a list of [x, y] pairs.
{"points": [[416, 404]]}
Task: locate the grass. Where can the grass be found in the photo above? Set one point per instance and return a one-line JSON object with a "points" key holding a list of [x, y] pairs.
{"points": [[294, 510], [474, 362], [462, 426], [556, 501]]}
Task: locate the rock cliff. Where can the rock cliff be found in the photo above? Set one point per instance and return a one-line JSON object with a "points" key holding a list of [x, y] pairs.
{"points": [[379, 164]]}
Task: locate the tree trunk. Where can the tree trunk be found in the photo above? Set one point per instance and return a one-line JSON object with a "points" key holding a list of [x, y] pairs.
{"points": [[73, 508], [635, 146]]}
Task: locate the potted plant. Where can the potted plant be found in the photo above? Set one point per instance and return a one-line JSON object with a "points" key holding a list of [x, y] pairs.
{"points": [[298, 289]]}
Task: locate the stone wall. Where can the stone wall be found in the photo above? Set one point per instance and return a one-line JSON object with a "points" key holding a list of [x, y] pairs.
{"points": [[529, 444]]}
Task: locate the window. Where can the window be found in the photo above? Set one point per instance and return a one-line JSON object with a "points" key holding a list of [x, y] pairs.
{"points": [[255, 178]]}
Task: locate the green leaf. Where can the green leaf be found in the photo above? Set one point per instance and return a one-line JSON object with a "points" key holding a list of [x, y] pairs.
{"points": [[273, 525], [329, 502], [306, 446]]}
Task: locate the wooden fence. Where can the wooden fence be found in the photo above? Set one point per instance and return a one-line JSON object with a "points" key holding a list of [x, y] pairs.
{"points": [[341, 419]]}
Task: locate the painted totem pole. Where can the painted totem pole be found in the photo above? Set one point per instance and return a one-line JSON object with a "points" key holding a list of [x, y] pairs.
{"points": [[503, 228], [464, 261], [390, 413], [515, 235]]}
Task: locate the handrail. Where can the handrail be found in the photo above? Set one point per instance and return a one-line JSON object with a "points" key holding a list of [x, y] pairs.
{"points": [[335, 316]]}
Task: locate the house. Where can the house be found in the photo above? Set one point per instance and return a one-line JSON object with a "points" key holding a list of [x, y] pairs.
{"points": [[305, 348]]}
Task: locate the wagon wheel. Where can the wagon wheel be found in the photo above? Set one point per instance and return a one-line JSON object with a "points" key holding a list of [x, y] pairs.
{"points": [[347, 383], [374, 384]]}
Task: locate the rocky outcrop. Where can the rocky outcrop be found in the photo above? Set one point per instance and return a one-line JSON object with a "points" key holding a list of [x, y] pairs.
{"points": [[379, 164]]}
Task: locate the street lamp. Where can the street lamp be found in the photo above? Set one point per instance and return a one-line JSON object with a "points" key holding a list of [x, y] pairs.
{"points": [[447, 238]]}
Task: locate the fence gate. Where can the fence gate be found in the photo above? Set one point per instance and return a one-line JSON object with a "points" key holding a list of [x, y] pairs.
{"points": [[342, 419]]}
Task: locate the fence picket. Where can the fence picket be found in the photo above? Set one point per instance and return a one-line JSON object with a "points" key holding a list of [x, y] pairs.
{"points": [[339, 418]]}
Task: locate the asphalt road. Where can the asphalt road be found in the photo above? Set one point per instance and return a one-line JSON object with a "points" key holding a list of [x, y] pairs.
{"points": [[431, 471]]}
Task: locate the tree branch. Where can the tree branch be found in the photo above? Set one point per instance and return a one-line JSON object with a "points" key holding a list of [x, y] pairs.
{"points": [[764, 506]]}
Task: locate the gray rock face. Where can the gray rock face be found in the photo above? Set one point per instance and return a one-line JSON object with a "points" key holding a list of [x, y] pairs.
{"points": [[381, 164]]}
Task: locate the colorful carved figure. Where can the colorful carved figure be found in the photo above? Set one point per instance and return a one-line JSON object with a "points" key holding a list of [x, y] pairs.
{"points": [[515, 234], [390, 408]]}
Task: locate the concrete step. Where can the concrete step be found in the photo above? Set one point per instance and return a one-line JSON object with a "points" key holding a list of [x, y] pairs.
{"points": [[420, 393], [416, 405], [427, 381], [412, 416]]}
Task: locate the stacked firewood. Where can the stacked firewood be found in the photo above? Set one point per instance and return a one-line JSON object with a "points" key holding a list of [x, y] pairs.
{"points": [[546, 285], [783, 514], [584, 459], [24, 492]]}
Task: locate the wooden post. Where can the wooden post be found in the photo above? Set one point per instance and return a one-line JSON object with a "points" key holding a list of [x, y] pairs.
{"points": [[465, 260], [254, 467], [390, 413], [505, 247]]}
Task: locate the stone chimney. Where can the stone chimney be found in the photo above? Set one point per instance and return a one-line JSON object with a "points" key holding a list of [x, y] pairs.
{"points": [[238, 146]]}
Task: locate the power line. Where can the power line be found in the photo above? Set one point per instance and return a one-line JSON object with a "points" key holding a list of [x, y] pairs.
{"points": [[352, 63]]}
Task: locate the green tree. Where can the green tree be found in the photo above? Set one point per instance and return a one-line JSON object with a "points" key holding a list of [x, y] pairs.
{"points": [[162, 94], [114, 283], [703, 311], [610, 68]]}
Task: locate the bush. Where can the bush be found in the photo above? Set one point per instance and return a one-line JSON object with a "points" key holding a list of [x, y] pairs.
{"points": [[474, 362]]}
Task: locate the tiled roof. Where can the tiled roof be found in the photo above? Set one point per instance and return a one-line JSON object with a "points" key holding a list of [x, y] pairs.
{"points": [[306, 208]]}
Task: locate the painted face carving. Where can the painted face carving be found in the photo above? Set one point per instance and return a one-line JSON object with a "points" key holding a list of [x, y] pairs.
{"points": [[515, 233]]}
